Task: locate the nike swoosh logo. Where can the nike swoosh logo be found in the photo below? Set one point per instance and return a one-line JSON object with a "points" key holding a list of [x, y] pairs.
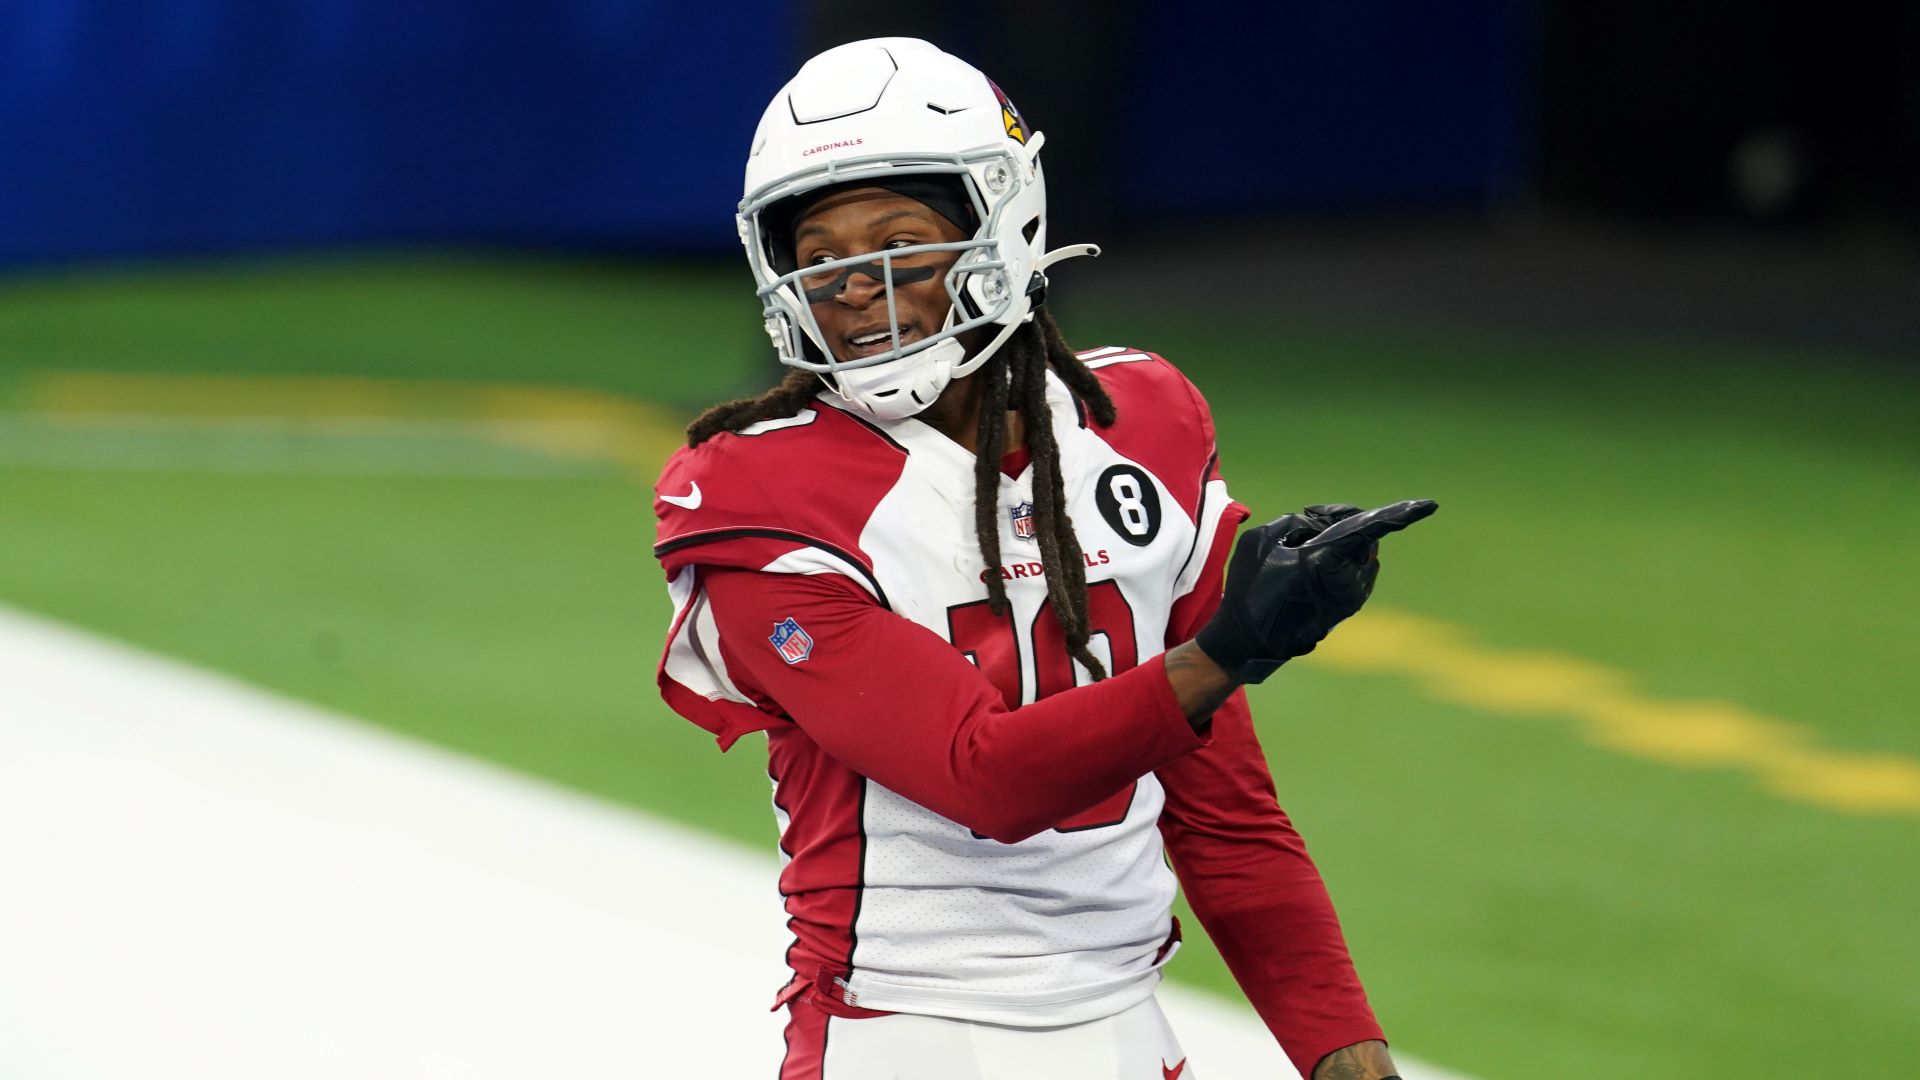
{"points": [[689, 501], [1174, 1072]]}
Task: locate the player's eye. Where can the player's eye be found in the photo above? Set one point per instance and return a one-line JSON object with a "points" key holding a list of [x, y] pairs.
{"points": [[917, 258], [815, 280], [813, 261]]}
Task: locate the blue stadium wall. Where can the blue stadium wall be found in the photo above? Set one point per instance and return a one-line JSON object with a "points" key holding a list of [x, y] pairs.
{"points": [[131, 128]]}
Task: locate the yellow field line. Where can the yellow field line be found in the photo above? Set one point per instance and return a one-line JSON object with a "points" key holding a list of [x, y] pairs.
{"points": [[1444, 659], [1786, 758], [561, 422]]}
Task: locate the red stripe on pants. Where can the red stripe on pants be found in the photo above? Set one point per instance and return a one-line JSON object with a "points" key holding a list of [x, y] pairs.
{"points": [[806, 1043]]}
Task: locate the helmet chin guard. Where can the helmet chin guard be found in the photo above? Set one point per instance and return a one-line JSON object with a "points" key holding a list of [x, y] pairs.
{"points": [[883, 110], [892, 391]]}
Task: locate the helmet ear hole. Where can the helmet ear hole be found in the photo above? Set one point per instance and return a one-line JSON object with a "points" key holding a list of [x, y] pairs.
{"points": [[1031, 229], [1037, 290]]}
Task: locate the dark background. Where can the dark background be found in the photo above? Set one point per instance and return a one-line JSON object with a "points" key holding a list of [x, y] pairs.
{"points": [[1665, 166]]}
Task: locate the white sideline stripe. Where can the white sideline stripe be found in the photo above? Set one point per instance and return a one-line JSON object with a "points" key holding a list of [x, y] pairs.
{"points": [[199, 879]]}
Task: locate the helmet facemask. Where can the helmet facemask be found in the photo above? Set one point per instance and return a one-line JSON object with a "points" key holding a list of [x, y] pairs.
{"points": [[905, 378]]}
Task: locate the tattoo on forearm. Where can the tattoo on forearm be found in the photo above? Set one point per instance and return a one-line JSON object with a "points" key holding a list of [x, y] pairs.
{"points": [[1361, 1061], [1197, 682]]}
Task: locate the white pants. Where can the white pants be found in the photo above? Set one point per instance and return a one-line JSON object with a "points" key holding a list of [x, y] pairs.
{"points": [[1137, 1044]]}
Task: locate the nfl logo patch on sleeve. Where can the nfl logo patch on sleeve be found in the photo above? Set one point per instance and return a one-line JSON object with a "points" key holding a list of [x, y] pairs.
{"points": [[792, 643]]}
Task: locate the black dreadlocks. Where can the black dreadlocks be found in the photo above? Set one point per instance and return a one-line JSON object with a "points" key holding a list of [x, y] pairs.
{"points": [[1015, 379]]}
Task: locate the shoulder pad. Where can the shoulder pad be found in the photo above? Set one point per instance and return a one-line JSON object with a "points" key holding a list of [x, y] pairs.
{"points": [[1160, 420]]}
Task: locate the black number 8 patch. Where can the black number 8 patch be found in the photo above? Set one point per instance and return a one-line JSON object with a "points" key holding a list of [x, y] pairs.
{"points": [[1130, 503]]}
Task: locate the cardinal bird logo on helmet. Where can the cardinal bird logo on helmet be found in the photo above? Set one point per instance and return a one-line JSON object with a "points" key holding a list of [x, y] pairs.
{"points": [[1016, 127]]}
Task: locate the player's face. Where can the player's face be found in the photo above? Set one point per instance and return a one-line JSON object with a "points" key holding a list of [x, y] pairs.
{"points": [[851, 308]]}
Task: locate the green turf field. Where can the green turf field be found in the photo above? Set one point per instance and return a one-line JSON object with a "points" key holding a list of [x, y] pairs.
{"points": [[1713, 871]]}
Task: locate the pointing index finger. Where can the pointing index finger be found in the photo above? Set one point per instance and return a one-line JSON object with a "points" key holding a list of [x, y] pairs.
{"points": [[1376, 523]]}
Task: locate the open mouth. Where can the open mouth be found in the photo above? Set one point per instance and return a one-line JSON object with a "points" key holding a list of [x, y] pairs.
{"points": [[871, 341]]}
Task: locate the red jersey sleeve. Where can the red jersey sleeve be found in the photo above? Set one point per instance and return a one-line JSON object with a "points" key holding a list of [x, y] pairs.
{"points": [[893, 701], [738, 499], [1246, 871]]}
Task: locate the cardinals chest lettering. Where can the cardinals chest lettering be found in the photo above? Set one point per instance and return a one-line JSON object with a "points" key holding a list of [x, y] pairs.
{"points": [[1132, 542]]}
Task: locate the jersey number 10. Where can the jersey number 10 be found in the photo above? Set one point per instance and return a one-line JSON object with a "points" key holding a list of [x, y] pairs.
{"points": [[988, 640]]}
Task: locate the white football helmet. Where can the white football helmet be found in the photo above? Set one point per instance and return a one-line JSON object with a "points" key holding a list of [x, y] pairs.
{"points": [[884, 110]]}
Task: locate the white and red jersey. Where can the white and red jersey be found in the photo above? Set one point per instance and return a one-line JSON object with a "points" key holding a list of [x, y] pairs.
{"points": [[972, 827]]}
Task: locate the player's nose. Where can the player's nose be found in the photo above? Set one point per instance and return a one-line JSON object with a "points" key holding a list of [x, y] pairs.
{"points": [[861, 288]]}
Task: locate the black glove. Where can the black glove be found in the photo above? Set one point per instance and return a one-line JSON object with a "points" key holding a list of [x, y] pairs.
{"points": [[1311, 521], [1293, 579]]}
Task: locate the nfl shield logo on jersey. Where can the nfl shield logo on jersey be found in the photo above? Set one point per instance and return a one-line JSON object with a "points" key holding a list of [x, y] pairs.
{"points": [[793, 643], [1022, 520]]}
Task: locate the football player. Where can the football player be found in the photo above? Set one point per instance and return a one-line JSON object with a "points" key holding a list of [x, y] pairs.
{"points": [[983, 596]]}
